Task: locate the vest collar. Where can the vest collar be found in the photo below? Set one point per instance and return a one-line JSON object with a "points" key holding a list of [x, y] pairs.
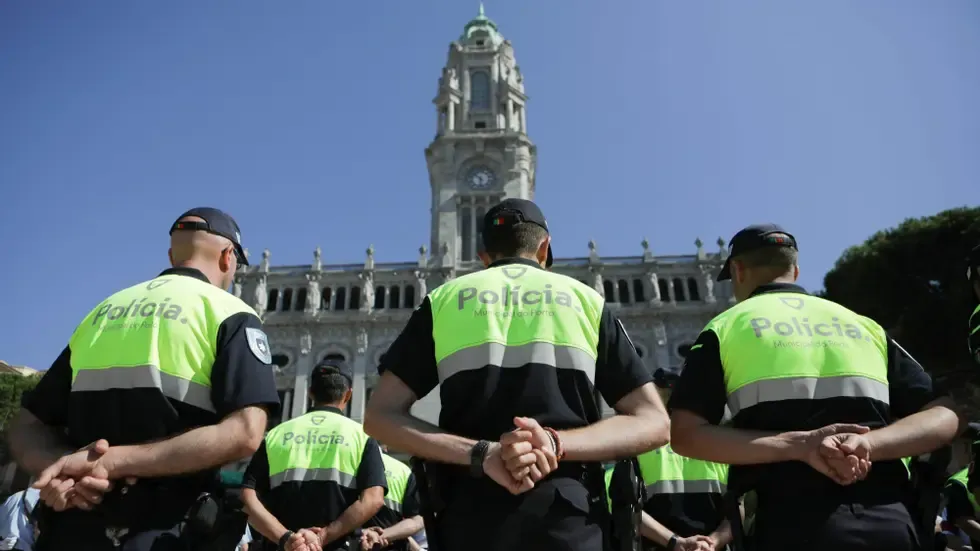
{"points": [[189, 272], [778, 288], [515, 260], [329, 409]]}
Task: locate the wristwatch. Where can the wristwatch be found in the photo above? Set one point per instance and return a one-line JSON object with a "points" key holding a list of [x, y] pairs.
{"points": [[285, 537], [672, 543], [477, 455]]}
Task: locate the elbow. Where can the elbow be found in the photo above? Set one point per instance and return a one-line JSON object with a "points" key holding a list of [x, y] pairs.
{"points": [[250, 439], [373, 499], [370, 423], [680, 442], [657, 430]]}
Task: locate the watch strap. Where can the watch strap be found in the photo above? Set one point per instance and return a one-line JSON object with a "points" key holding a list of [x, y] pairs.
{"points": [[285, 537], [477, 456], [672, 543]]}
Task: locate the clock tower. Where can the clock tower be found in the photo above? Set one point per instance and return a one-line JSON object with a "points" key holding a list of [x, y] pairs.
{"points": [[481, 152]]}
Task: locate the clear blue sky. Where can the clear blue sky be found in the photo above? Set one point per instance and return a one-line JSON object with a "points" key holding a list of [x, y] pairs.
{"points": [[307, 121]]}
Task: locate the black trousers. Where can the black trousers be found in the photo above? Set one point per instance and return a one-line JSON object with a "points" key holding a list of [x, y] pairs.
{"points": [[849, 527], [154, 540]]}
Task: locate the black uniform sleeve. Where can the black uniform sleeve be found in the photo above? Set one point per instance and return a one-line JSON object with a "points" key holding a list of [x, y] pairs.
{"points": [[957, 502], [412, 357], [974, 337], [909, 386], [701, 387], [410, 503], [242, 375], [48, 401], [371, 471], [619, 369], [256, 474]]}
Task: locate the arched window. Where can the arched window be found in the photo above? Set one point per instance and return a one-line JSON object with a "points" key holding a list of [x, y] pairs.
{"points": [[340, 299], [334, 356], [624, 291], [410, 296], [679, 294], [273, 301], [301, 299], [638, 294], [379, 297], [663, 284], [692, 289], [607, 288], [281, 360], [325, 298], [287, 300], [479, 90], [395, 296], [355, 297]]}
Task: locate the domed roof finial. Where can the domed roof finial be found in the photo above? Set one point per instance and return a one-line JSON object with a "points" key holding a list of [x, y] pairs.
{"points": [[482, 14]]}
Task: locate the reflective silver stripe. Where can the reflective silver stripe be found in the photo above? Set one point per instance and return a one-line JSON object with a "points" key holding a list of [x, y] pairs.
{"points": [[686, 487], [492, 353], [807, 388], [393, 505], [312, 475], [144, 376]]}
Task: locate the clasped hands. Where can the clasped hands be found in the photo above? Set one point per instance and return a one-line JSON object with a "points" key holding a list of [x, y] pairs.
{"points": [[79, 479], [840, 451], [522, 457]]}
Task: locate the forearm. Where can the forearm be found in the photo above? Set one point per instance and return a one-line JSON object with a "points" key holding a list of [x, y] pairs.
{"points": [[354, 517], [192, 451], [654, 531], [404, 528], [412, 546], [970, 526], [404, 432], [260, 518], [617, 437], [34, 445], [722, 535], [733, 446], [915, 435]]}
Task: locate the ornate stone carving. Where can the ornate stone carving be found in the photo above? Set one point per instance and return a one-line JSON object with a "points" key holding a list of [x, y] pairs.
{"points": [[597, 282], [239, 282], [593, 252], [423, 257], [361, 341], [654, 281], [261, 296], [264, 266], [312, 292], [420, 284], [722, 251], [305, 344], [317, 260], [700, 248], [660, 333], [369, 260]]}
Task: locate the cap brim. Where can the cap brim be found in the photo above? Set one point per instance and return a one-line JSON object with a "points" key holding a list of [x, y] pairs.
{"points": [[726, 270], [242, 259], [551, 258]]}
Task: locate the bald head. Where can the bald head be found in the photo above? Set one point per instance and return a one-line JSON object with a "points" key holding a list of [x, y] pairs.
{"points": [[211, 254]]}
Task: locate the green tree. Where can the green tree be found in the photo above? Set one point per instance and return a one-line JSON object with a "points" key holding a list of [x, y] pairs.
{"points": [[912, 280], [12, 387]]}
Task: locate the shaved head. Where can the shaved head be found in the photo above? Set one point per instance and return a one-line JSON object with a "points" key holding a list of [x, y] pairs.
{"points": [[212, 254]]}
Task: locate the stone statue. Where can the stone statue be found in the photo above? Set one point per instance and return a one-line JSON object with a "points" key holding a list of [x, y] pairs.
{"points": [[593, 252], [420, 283], [237, 289], [453, 78], [423, 258], [312, 292], [369, 261], [597, 283], [317, 260], [261, 296], [264, 266], [367, 291], [654, 288], [709, 283]]}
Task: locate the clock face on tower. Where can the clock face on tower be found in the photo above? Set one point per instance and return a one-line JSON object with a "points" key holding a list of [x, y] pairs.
{"points": [[480, 177]]}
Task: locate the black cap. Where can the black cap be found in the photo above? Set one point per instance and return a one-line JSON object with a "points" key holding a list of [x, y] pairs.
{"points": [[973, 264], [332, 366], [753, 238], [512, 212], [216, 222], [666, 377]]}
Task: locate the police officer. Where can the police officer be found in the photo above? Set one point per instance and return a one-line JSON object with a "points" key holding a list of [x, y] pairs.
{"points": [[962, 508], [517, 345], [805, 379], [317, 478], [400, 518], [162, 382], [684, 495], [973, 274]]}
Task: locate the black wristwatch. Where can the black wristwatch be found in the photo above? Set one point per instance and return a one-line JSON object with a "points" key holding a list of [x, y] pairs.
{"points": [[477, 455], [285, 537], [671, 543]]}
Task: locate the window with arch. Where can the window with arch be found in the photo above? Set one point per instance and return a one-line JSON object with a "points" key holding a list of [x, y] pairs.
{"points": [[379, 297], [480, 89], [608, 290], [340, 299], [325, 298], [287, 300], [692, 289], [355, 297], [410, 296], [301, 299], [664, 285], [394, 296], [273, 301], [638, 294], [280, 360], [679, 294], [624, 291]]}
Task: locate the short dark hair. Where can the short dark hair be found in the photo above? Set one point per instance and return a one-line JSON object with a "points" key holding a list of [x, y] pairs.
{"points": [[329, 388], [780, 260], [520, 240]]}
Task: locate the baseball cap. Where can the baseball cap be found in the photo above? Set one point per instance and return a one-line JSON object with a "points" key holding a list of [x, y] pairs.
{"points": [[332, 367], [753, 238], [513, 212], [217, 223], [973, 263]]}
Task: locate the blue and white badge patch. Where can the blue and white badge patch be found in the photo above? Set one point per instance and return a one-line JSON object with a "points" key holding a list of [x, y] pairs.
{"points": [[258, 343]]}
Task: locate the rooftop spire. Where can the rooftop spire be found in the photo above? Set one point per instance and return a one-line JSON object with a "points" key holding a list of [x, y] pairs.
{"points": [[482, 14]]}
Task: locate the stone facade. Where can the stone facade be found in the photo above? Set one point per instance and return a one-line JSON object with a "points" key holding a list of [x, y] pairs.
{"points": [[481, 153]]}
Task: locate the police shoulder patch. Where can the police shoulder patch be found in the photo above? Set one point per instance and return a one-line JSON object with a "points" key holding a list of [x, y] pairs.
{"points": [[258, 343]]}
